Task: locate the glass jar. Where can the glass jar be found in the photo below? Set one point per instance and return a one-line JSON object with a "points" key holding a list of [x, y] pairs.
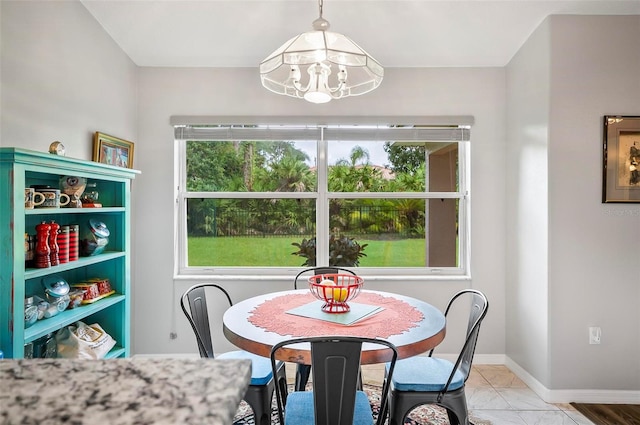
{"points": [[91, 194], [30, 312], [94, 238], [56, 290], [55, 287], [50, 347]]}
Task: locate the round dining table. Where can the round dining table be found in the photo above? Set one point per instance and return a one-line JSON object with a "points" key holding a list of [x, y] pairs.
{"points": [[256, 324]]}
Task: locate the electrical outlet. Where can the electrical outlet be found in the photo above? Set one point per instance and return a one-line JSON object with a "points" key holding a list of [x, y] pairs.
{"points": [[595, 334]]}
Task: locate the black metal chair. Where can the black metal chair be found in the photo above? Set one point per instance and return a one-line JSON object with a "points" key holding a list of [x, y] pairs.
{"points": [[429, 380], [259, 395], [303, 370], [335, 398]]}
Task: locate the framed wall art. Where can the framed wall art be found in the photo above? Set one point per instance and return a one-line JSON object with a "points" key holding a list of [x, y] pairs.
{"points": [[112, 150], [621, 159]]}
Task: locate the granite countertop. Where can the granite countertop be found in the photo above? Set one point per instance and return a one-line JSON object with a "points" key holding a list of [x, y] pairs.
{"points": [[122, 391]]}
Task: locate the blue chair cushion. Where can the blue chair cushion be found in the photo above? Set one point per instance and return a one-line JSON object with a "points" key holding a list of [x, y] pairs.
{"points": [[261, 372], [299, 409], [427, 374]]}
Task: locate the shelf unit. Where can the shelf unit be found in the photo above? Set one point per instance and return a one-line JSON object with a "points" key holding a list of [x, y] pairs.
{"points": [[21, 168]]}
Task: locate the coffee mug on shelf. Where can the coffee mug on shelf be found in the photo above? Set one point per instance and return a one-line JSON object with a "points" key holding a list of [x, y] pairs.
{"points": [[32, 198], [52, 197]]}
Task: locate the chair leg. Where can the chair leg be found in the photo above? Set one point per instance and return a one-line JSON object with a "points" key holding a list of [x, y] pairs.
{"points": [[282, 382], [302, 376], [382, 413], [397, 409], [453, 419], [396, 417], [456, 405], [259, 398]]}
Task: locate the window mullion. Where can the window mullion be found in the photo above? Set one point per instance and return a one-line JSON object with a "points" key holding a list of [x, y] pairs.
{"points": [[180, 213], [322, 204]]}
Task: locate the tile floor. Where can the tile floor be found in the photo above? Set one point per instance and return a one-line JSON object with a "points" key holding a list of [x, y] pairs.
{"points": [[496, 396]]}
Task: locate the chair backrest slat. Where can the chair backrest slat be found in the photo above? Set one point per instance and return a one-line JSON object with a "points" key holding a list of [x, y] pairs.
{"points": [[477, 311], [198, 315], [335, 363]]}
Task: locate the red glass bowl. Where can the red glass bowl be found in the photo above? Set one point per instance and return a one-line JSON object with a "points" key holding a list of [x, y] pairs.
{"points": [[345, 287]]}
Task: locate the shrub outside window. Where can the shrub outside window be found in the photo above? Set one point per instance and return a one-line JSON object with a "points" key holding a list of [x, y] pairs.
{"points": [[264, 198]]}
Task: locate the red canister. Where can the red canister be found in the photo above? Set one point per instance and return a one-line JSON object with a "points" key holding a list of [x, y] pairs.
{"points": [[74, 241], [63, 244]]}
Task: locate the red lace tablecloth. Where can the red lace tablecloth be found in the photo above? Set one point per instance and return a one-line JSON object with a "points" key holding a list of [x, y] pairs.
{"points": [[396, 318]]}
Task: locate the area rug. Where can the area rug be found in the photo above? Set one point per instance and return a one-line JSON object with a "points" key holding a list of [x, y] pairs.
{"points": [[423, 415], [610, 414]]}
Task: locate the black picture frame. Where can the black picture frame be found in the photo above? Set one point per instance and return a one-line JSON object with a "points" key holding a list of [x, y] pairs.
{"points": [[621, 159]]}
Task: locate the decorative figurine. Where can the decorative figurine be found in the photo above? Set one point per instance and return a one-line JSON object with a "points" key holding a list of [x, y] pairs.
{"points": [[74, 188], [57, 148]]}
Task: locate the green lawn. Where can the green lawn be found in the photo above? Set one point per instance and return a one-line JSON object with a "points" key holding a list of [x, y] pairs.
{"points": [[276, 252]]}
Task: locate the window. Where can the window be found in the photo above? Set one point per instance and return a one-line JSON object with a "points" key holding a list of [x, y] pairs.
{"points": [[263, 197]]}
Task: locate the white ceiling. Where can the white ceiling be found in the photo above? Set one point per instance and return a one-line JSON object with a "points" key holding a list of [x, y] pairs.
{"points": [[398, 33]]}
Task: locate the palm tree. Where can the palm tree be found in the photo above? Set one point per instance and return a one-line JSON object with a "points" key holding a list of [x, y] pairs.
{"points": [[292, 175], [247, 170], [358, 153]]}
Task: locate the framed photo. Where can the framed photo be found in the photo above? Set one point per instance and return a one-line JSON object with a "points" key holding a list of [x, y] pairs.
{"points": [[113, 151], [621, 159]]}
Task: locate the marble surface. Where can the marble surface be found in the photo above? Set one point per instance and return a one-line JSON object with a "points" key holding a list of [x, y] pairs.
{"points": [[122, 391]]}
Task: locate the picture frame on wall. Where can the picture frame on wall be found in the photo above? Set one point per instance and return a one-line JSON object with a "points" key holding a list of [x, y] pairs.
{"points": [[621, 159], [112, 150]]}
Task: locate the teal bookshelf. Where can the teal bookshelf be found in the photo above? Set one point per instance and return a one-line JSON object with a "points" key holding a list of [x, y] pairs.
{"points": [[21, 168]]}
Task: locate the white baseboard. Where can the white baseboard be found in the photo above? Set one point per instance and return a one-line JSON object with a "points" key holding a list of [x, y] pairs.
{"points": [[489, 359], [569, 395]]}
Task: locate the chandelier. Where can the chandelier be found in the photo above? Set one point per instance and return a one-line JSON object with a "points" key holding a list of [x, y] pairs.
{"points": [[320, 65]]}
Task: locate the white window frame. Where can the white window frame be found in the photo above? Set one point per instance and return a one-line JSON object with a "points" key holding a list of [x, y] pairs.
{"points": [[446, 124]]}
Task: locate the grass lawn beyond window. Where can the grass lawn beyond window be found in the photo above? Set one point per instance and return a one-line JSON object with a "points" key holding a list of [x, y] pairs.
{"points": [[277, 252]]}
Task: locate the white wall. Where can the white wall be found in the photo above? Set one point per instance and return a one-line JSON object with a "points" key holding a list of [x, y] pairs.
{"points": [[527, 121], [63, 78], [168, 92], [594, 248], [569, 74]]}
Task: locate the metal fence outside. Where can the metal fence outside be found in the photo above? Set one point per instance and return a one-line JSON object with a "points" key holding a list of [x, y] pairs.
{"points": [[351, 220]]}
